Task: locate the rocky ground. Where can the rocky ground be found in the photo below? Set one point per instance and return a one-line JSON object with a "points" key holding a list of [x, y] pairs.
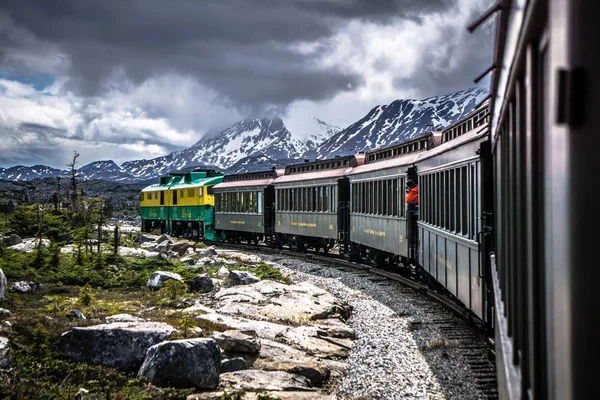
{"points": [[258, 326]]}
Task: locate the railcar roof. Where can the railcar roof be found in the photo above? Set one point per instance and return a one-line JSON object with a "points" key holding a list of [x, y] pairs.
{"points": [[254, 182], [197, 182], [313, 175], [412, 158]]}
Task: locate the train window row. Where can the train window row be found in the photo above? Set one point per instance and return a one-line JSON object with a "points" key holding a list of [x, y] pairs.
{"points": [[384, 197], [449, 200], [478, 119], [309, 199], [239, 202]]}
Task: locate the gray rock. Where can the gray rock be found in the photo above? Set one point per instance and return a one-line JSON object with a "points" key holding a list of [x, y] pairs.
{"points": [[207, 261], [4, 357], [29, 245], [149, 245], [236, 278], [26, 287], [277, 302], [311, 340], [163, 246], [122, 318], [121, 345], [4, 313], [188, 260], [164, 237], [223, 272], [3, 285], [147, 238], [11, 240], [139, 253], [6, 324], [280, 357], [76, 314], [202, 283], [183, 363], [233, 364], [257, 380], [238, 341], [209, 251], [158, 279], [263, 329], [181, 247]]}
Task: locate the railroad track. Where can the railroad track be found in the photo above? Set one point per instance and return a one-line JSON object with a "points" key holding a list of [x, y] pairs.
{"points": [[466, 333]]}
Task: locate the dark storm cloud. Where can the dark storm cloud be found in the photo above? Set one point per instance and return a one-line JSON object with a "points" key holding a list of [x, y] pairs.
{"points": [[241, 49], [452, 66]]}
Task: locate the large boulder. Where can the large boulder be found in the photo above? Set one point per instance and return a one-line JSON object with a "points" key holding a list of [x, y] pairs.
{"points": [[238, 341], [3, 285], [26, 287], [236, 278], [202, 283], [158, 279], [276, 356], [313, 341], [182, 247], [11, 240], [120, 345], [256, 380], [277, 302], [183, 363], [4, 313], [207, 252], [29, 245]]}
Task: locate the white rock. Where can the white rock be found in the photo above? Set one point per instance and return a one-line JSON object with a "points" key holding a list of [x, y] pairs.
{"points": [[123, 318], [158, 278]]}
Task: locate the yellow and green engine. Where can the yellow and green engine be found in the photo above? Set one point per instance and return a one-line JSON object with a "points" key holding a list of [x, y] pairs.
{"points": [[181, 204]]}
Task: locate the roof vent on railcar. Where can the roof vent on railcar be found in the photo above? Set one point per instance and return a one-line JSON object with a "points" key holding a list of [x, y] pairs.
{"points": [[320, 165], [251, 176], [420, 143], [478, 117]]}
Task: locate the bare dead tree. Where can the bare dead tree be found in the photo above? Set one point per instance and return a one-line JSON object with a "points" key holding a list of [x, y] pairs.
{"points": [[72, 165]]}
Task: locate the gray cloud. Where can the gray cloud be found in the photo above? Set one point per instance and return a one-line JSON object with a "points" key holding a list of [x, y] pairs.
{"points": [[243, 50]]}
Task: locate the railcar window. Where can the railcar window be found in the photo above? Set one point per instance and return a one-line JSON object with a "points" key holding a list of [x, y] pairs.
{"points": [[395, 195], [464, 213], [473, 190], [334, 197], [452, 182]]}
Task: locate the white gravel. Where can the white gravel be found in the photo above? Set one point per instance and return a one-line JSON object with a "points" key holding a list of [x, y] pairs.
{"points": [[402, 349]]}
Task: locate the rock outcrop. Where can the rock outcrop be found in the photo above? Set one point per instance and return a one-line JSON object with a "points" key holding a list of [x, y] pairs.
{"points": [[233, 364], [238, 341], [236, 278], [29, 245], [123, 318], [183, 363], [121, 345], [26, 287], [252, 380]]}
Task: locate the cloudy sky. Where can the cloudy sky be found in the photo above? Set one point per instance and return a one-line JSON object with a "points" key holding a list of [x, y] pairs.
{"points": [[132, 79]]}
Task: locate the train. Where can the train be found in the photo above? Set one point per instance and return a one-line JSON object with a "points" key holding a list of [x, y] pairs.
{"points": [[507, 217]]}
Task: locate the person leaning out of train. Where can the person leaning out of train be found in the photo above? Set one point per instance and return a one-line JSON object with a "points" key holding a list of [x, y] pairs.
{"points": [[412, 192]]}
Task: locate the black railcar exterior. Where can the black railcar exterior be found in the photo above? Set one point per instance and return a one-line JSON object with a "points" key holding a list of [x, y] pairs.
{"points": [[245, 207]]}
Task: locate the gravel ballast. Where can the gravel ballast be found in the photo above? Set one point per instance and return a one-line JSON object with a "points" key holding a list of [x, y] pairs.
{"points": [[407, 345]]}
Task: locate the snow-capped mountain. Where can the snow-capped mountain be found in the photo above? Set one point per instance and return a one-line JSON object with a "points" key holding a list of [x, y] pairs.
{"points": [[23, 173], [400, 121], [318, 132], [105, 170], [251, 137]]}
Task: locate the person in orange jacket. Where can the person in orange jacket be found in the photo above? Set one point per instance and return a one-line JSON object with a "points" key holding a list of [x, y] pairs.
{"points": [[412, 193]]}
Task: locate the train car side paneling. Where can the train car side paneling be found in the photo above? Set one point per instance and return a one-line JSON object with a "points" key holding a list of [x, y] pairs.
{"points": [[377, 216], [449, 219], [240, 209], [307, 208]]}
